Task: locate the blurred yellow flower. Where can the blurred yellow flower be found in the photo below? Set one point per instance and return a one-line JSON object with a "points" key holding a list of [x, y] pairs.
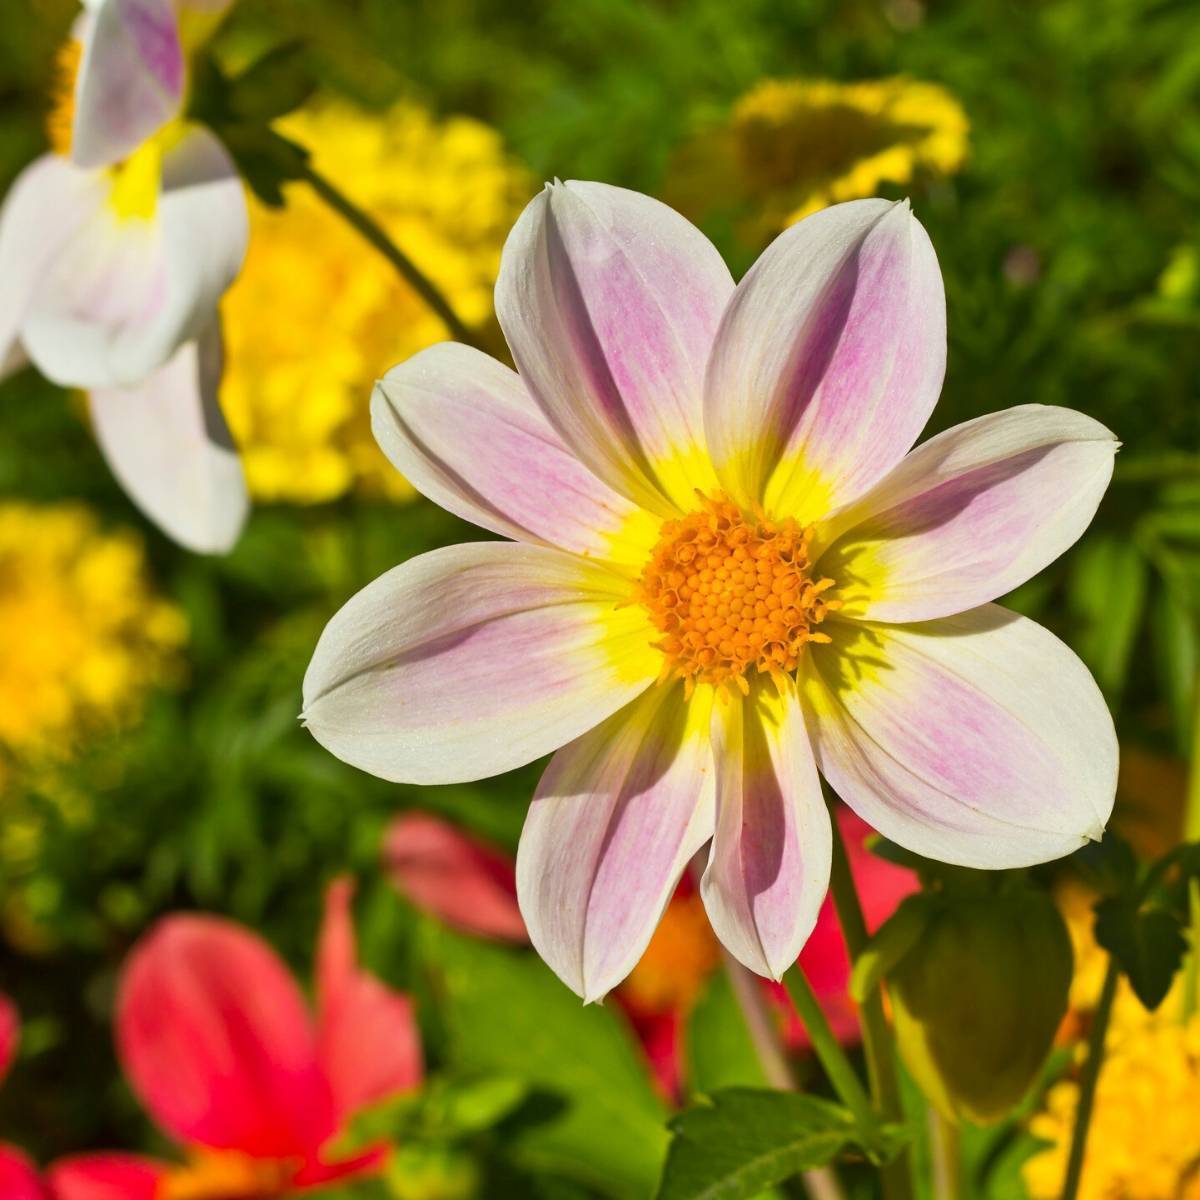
{"points": [[82, 635], [1144, 1139], [792, 146], [318, 315]]}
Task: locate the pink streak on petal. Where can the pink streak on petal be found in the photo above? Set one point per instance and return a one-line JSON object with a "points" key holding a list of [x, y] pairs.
{"points": [[463, 429], [106, 1176], [318, 1173], [617, 815], [215, 1038], [454, 876], [367, 1036]]}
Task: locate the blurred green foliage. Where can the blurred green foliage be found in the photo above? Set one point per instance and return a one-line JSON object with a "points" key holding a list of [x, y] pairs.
{"points": [[1070, 246]]}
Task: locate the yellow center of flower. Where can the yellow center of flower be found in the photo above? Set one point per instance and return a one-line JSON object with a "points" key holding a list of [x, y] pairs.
{"points": [[226, 1175], [731, 592]]}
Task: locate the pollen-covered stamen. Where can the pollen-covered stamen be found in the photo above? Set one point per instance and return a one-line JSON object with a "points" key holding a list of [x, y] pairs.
{"points": [[730, 593], [61, 118]]}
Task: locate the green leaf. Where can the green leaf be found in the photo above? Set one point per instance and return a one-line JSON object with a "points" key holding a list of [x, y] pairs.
{"points": [[592, 1113], [738, 1142], [277, 84], [720, 1052], [1108, 866], [1148, 943], [1106, 596]]}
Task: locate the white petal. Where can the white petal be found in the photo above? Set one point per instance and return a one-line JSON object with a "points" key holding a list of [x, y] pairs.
{"points": [[168, 445], [617, 815], [768, 870], [978, 739], [971, 514], [475, 659]]}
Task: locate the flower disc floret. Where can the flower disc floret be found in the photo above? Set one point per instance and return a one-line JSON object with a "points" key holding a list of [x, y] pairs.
{"points": [[730, 592]]}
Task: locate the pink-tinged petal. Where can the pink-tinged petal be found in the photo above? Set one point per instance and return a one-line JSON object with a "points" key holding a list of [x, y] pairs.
{"points": [[126, 292], [108, 1176], [367, 1037], [317, 1173], [829, 360], [881, 886], [768, 869], [18, 1178], [471, 660], [43, 212], [978, 739], [463, 429], [10, 1033], [610, 301], [216, 1041], [133, 74], [454, 876], [616, 818], [971, 514], [167, 443]]}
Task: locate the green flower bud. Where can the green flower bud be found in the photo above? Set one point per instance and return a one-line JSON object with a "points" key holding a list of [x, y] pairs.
{"points": [[432, 1172], [978, 995]]}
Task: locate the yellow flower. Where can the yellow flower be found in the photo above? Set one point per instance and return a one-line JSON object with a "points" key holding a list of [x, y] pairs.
{"points": [[793, 146], [1144, 1139], [82, 635], [318, 315]]}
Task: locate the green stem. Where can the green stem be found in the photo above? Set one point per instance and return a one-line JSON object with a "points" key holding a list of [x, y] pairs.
{"points": [[876, 1036], [373, 233], [829, 1050], [1088, 1081], [947, 1164]]}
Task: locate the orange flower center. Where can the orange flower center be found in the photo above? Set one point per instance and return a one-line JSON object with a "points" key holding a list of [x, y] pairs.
{"points": [[226, 1175], [61, 117], [729, 593], [680, 957]]}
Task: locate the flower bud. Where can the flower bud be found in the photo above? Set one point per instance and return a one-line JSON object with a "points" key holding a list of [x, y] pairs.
{"points": [[978, 996]]}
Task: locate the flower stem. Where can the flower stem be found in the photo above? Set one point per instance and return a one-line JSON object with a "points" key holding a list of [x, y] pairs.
{"points": [[876, 1036], [828, 1049], [373, 233], [1087, 1083], [947, 1167], [819, 1184]]}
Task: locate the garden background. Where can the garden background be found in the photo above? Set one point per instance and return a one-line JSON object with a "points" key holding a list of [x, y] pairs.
{"points": [[151, 758]]}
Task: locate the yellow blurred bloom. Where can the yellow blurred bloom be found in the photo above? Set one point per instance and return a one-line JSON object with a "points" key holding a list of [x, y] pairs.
{"points": [[82, 635], [318, 315], [792, 146], [1144, 1140]]}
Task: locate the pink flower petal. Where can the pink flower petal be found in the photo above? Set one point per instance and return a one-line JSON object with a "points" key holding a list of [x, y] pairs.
{"points": [[978, 739], [462, 428], [215, 1038], [18, 1178], [124, 294], [10, 1033], [829, 360], [610, 302], [107, 1176], [768, 869], [475, 659], [971, 514], [367, 1038], [168, 445], [454, 876], [615, 819], [131, 79]]}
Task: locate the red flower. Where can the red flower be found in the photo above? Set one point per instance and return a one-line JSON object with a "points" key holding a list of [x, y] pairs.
{"points": [[218, 1043]]}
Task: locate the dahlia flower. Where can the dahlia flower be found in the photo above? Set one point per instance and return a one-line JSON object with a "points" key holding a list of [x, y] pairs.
{"points": [[114, 251], [729, 571]]}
